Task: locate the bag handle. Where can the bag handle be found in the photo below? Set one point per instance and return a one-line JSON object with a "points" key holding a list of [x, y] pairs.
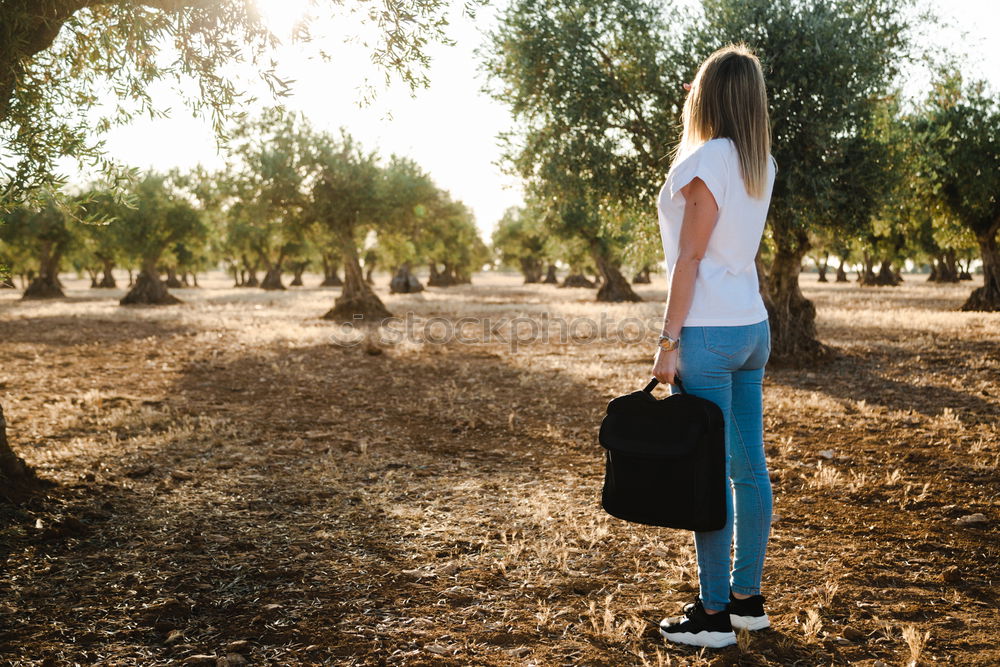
{"points": [[652, 384]]}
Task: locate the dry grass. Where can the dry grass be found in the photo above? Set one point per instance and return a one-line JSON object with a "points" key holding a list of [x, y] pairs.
{"points": [[229, 473]]}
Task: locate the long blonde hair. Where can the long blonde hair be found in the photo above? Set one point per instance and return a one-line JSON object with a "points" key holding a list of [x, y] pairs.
{"points": [[728, 98]]}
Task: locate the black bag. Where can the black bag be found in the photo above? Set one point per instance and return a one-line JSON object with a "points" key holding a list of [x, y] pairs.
{"points": [[666, 460]]}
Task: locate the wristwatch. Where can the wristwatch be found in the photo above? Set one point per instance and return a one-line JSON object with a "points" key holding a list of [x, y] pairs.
{"points": [[667, 343]]}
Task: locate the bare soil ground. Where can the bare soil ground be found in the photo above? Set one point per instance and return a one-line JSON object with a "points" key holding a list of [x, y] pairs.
{"points": [[236, 484]]}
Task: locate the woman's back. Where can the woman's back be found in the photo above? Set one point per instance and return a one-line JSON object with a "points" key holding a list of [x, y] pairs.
{"points": [[726, 290]]}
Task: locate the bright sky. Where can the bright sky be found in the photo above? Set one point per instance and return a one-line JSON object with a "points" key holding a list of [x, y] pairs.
{"points": [[449, 128]]}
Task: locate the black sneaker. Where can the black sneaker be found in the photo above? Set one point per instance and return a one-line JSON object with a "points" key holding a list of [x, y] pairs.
{"points": [[699, 628], [747, 614]]}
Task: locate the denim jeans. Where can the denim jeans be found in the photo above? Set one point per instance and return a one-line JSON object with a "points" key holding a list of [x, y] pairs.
{"points": [[725, 364]]}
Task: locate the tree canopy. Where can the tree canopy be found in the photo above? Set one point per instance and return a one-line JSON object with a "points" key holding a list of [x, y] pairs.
{"points": [[61, 60]]}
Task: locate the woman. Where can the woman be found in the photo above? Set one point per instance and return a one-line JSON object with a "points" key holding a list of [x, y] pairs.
{"points": [[715, 332]]}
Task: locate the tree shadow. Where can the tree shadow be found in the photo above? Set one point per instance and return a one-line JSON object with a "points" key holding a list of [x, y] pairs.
{"points": [[879, 377], [325, 504], [70, 330]]}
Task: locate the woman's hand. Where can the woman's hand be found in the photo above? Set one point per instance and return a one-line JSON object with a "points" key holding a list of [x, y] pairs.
{"points": [[665, 365]]}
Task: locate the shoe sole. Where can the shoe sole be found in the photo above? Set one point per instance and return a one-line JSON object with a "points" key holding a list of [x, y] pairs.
{"points": [[706, 638], [749, 622]]}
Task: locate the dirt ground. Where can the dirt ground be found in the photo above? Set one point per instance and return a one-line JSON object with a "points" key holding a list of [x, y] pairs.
{"points": [[238, 481]]}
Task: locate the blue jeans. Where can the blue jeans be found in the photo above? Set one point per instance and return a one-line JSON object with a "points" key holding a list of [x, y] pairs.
{"points": [[726, 365]]}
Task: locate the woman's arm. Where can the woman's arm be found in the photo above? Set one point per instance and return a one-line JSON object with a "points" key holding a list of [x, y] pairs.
{"points": [[700, 215]]}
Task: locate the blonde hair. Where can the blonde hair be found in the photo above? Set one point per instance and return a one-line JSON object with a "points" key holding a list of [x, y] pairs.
{"points": [[728, 98]]}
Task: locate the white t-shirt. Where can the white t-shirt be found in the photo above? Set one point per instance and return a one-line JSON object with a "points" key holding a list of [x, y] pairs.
{"points": [[726, 291]]}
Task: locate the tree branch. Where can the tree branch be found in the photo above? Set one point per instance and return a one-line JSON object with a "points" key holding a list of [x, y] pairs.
{"points": [[28, 27]]}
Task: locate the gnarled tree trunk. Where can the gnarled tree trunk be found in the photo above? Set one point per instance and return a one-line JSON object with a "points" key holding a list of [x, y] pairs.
{"points": [[642, 277], [149, 289], [886, 275], [944, 268], [841, 271], [272, 278], [330, 277], [108, 277], [172, 280], [404, 282], [439, 278], [866, 274], [578, 279], [371, 260], [457, 275], [964, 270], [821, 269], [251, 273], [357, 302], [987, 297], [791, 315], [16, 478], [46, 284], [531, 268], [614, 287], [298, 268]]}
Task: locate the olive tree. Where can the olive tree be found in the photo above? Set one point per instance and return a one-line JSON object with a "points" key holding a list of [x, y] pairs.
{"points": [[43, 229], [959, 129], [54, 55], [594, 88], [268, 181]]}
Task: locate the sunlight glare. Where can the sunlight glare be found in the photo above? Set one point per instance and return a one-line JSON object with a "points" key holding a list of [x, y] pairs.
{"points": [[282, 16]]}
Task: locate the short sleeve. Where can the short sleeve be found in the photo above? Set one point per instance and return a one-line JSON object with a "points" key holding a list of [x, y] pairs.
{"points": [[707, 162]]}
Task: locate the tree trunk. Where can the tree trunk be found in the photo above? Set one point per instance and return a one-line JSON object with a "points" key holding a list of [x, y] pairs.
{"points": [[614, 287], [439, 278], [866, 275], [251, 269], [298, 268], [945, 269], [435, 278], [108, 279], [149, 290], [578, 280], [987, 297], [371, 260], [404, 282], [964, 272], [92, 274], [357, 302], [550, 275], [7, 283], [172, 281], [272, 278], [886, 275], [46, 283], [821, 267], [131, 278], [457, 276], [16, 478], [42, 288], [330, 277], [841, 272], [531, 268], [641, 277], [792, 316]]}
